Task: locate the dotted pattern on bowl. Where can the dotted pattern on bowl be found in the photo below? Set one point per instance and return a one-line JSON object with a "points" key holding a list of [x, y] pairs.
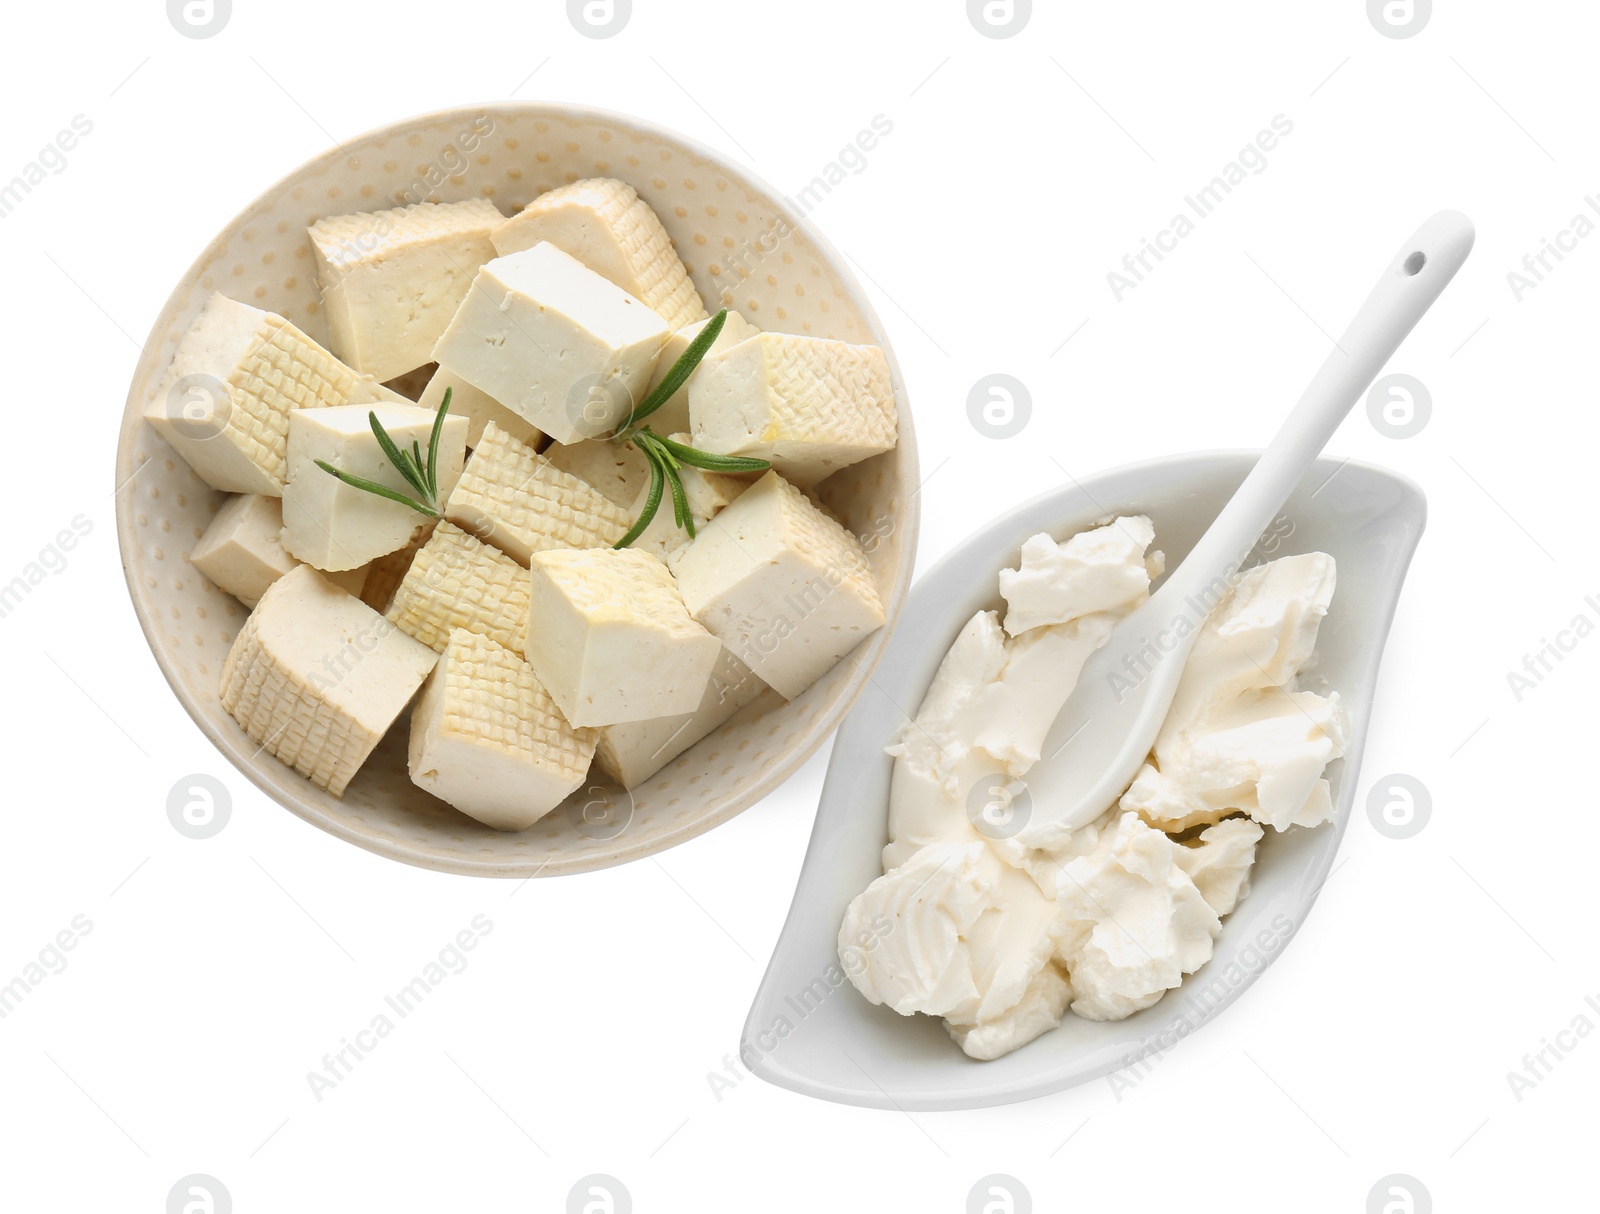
{"points": [[742, 247]]}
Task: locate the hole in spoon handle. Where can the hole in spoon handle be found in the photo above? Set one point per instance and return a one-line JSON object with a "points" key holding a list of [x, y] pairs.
{"points": [[1415, 262]]}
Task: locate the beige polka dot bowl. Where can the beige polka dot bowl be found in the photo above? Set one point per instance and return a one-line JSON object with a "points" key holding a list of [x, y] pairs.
{"points": [[745, 245]]}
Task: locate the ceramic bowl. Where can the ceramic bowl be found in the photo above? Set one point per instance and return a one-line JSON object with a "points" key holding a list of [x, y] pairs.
{"points": [[812, 1031], [744, 244]]}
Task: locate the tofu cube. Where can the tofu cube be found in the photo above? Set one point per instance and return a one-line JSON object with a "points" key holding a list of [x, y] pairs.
{"points": [[609, 636], [487, 738], [708, 494], [242, 551], [224, 404], [391, 280], [781, 584], [457, 581], [633, 751], [478, 407], [609, 228], [316, 677], [335, 526], [674, 415], [554, 342], [619, 471], [808, 405], [386, 573], [520, 502]]}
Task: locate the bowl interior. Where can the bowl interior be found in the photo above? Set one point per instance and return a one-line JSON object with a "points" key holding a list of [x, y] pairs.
{"points": [[744, 246], [811, 1030]]}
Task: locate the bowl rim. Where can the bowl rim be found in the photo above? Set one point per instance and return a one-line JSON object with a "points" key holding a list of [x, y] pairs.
{"points": [[769, 1067], [864, 658]]}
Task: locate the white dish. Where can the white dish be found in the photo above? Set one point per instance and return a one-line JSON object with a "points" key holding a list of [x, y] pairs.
{"points": [[838, 1046]]}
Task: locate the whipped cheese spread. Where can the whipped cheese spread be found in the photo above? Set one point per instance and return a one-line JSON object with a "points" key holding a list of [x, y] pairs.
{"points": [[1000, 939]]}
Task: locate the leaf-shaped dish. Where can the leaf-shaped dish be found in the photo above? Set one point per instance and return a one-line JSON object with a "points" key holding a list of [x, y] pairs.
{"points": [[810, 1030]]}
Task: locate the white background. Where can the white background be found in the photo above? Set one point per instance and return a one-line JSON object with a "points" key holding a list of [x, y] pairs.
{"points": [[1019, 172]]}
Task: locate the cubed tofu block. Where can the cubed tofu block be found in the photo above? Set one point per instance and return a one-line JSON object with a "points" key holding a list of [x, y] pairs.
{"points": [[242, 551], [478, 407], [335, 526], [554, 342], [607, 226], [457, 581], [391, 280], [487, 738], [619, 471], [609, 636], [809, 405], [674, 415], [386, 573], [520, 502], [708, 494], [316, 677], [781, 584], [631, 752], [239, 372]]}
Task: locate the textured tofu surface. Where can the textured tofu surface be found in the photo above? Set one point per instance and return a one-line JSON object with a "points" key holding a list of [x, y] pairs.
{"points": [[478, 407], [391, 280], [609, 635], [607, 226], [514, 498], [457, 581], [780, 583], [242, 552], [316, 677], [633, 751], [487, 738], [386, 573], [619, 471], [809, 405], [266, 367]]}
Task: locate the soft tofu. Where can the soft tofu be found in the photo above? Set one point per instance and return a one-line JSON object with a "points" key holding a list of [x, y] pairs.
{"points": [[391, 280], [520, 502], [707, 494], [225, 402], [619, 471], [316, 677], [809, 405], [242, 552], [554, 342], [781, 584], [633, 751], [608, 634], [478, 407], [674, 415], [335, 526], [609, 228], [487, 738], [457, 581]]}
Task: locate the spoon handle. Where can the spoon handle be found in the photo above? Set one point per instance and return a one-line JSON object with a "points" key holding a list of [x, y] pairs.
{"points": [[1412, 281]]}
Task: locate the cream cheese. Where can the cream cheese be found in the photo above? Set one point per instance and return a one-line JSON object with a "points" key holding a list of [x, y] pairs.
{"points": [[999, 939]]}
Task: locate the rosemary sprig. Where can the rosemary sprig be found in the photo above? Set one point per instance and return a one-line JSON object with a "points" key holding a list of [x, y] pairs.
{"points": [[423, 476], [666, 457]]}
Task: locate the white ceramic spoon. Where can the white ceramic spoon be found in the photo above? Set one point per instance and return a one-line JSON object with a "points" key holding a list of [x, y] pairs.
{"points": [[1108, 724]]}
